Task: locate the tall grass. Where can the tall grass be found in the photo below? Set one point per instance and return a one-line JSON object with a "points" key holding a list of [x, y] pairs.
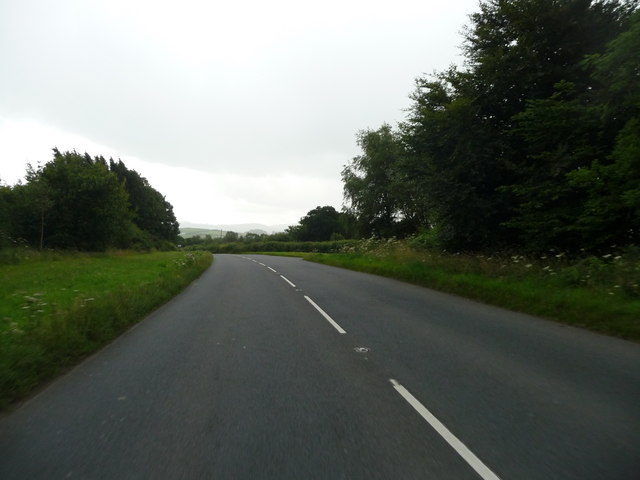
{"points": [[600, 293], [56, 308]]}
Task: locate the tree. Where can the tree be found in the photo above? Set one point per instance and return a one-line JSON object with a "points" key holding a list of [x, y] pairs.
{"points": [[152, 213], [490, 148], [7, 216], [88, 205], [611, 183], [578, 172], [611, 210], [39, 199], [75, 201], [454, 162], [619, 67], [253, 237], [231, 237], [317, 225], [348, 224], [375, 186], [559, 135], [518, 50]]}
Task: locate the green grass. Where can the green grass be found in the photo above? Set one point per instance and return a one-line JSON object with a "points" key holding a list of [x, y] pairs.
{"points": [[596, 293], [57, 308]]}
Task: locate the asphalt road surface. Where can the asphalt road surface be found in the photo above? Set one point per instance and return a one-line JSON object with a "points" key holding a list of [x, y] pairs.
{"points": [[272, 367]]}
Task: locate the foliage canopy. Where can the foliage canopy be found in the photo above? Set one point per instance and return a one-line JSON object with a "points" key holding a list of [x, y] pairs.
{"points": [[533, 144], [78, 202]]}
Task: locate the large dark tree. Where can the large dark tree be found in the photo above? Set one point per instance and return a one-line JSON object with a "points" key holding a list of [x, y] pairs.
{"points": [[8, 216], [493, 147], [317, 225], [575, 165], [454, 161], [74, 201], [517, 50], [611, 183], [559, 135], [152, 213]]}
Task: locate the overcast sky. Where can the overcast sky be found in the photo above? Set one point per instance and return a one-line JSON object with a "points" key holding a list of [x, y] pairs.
{"points": [[237, 111]]}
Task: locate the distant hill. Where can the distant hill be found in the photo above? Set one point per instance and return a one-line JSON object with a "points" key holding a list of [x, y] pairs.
{"points": [[202, 232], [188, 229]]}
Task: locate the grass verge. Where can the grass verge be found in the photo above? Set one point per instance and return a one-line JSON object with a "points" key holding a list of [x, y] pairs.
{"points": [[596, 293], [58, 308]]}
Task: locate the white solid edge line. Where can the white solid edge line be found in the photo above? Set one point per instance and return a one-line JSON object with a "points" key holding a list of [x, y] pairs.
{"points": [[462, 450], [272, 269], [288, 281], [327, 317]]}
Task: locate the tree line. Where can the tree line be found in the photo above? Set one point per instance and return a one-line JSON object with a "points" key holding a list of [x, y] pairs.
{"points": [[78, 202], [320, 224], [533, 144]]}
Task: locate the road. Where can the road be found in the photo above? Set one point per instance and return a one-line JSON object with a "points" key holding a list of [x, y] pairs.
{"points": [[273, 367]]}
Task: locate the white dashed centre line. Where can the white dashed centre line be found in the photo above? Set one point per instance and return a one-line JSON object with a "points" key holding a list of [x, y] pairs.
{"points": [[326, 316], [462, 450]]}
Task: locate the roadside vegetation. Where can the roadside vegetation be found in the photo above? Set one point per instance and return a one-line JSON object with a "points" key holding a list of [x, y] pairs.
{"points": [[60, 307], [596, 292]]}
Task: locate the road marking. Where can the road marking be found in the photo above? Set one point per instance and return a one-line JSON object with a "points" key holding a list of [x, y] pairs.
{"points": [[473, 461], [260, 263], [288, 281], [272, 270], [327, 317]]}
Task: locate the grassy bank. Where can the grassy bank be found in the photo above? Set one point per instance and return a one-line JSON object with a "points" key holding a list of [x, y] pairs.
{"points": [[600, 293], [57, 308]]}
